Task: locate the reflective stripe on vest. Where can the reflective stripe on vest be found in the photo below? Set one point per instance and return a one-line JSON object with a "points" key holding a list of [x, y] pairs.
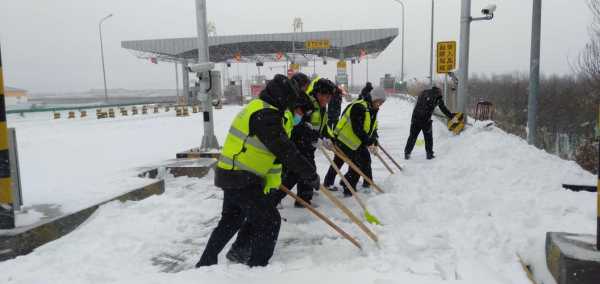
{"points": [[244, 152], [344, 132]]}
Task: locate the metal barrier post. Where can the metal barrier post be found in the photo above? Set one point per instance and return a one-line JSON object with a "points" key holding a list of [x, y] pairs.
{"points": [[15, 172], [7, 213]]}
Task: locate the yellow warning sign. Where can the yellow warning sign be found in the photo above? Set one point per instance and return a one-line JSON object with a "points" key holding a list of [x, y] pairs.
{"points": [[446, 56], [317, 44]]}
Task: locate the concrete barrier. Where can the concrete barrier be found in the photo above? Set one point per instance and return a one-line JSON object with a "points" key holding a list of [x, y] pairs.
{"points": [[23, 240], [197, 153], [573, 258], [197, 168]]}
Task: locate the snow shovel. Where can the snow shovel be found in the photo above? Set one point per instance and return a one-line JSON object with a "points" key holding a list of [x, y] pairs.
{"points": [[370, 218], [349, 213], [321, 216], [338, 152], [374, 152], [390, 157]]}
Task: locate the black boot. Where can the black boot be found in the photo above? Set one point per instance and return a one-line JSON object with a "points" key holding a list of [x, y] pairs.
{"points": [[347, 192], [239, 255], [430, 156], [407, 156]]}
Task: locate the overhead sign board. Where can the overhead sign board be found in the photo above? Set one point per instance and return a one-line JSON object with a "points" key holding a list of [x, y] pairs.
{"points": [[317, 44]]}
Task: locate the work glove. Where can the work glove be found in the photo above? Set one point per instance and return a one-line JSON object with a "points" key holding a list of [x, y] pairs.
{"points": [[453, 115], [327, 144], [373, 149], [314, 181]]}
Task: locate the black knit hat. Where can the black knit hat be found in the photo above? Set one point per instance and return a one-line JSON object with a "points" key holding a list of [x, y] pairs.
{"points": [[301, 79]]}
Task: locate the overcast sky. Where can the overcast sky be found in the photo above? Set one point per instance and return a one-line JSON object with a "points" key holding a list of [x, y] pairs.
{"points": [[53, 46]]}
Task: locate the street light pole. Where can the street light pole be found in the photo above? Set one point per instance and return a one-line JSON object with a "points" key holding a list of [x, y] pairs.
{"points": [[403, 37], [102, 54], [534, 72], [431, 47]]}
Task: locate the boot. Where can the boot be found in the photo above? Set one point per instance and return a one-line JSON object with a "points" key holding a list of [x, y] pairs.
{"points": [[240, 255], [299, 205], [430, 156], [333, 188], [407, 156]]}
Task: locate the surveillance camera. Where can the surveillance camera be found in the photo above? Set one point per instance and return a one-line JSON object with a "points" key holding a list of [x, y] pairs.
{"points": [[489, 10], [201, 67]]}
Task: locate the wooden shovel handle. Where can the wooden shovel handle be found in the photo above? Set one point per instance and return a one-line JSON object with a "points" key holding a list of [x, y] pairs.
{"points": [[338, 152], [321, 216], [349, 213], [346, 182], [390, 157], [383, 162]]}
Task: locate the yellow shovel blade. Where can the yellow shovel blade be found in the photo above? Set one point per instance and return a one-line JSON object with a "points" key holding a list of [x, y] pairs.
{"points": [[371, 219]]}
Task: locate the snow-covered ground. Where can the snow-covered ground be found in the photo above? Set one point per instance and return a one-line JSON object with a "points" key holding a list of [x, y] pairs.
{"points": [[461, 218]]}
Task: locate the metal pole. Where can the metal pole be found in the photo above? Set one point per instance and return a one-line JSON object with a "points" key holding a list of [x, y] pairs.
{"points": [[176, 81], [102, 55], [209, 141], [7, 211], [446, 89], [185, 79], [431, 47], [598, 196], [463, 70], [15, 174], [534, 74], [403, 38], [367, 68], [351, 76]]}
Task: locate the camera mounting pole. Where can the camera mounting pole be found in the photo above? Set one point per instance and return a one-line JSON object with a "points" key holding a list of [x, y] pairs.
{"points": [[203, 69], [465, 35]]}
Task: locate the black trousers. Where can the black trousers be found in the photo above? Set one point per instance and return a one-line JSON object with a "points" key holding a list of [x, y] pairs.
{"points": [[245, 208], [290, 179], [415, 129], [366, 168], [362, 159], [331, 173]]}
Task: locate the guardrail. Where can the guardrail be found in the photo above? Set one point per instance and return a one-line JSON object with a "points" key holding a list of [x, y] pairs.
{"points": [[57, 109]]}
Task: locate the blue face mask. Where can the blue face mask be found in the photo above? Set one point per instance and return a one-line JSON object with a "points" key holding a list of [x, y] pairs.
{"points": [[297, 119]]}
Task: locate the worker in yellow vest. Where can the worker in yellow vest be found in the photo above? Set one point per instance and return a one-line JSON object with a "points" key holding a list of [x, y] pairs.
{"points": [[249, 168], [355, 134], [306, 134], [241, 249]]}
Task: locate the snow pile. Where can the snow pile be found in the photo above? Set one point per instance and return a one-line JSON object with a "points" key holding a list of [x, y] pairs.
{"points": [[462, 217]]}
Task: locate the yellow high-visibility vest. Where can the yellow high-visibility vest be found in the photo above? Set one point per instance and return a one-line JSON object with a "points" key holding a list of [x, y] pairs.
{"points": [[344, 132], [244, 152]]}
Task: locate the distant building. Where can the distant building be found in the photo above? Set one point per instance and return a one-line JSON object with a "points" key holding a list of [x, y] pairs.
{"points": [[14, 96]]}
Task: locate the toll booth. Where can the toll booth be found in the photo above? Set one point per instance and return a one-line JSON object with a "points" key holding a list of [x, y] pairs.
{"points": [[233, 93], [257, 84], [388, 82]]}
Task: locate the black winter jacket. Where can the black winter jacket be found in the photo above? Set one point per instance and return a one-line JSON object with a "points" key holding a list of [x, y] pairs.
{"points": [[266, 125], [426, 104]]}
